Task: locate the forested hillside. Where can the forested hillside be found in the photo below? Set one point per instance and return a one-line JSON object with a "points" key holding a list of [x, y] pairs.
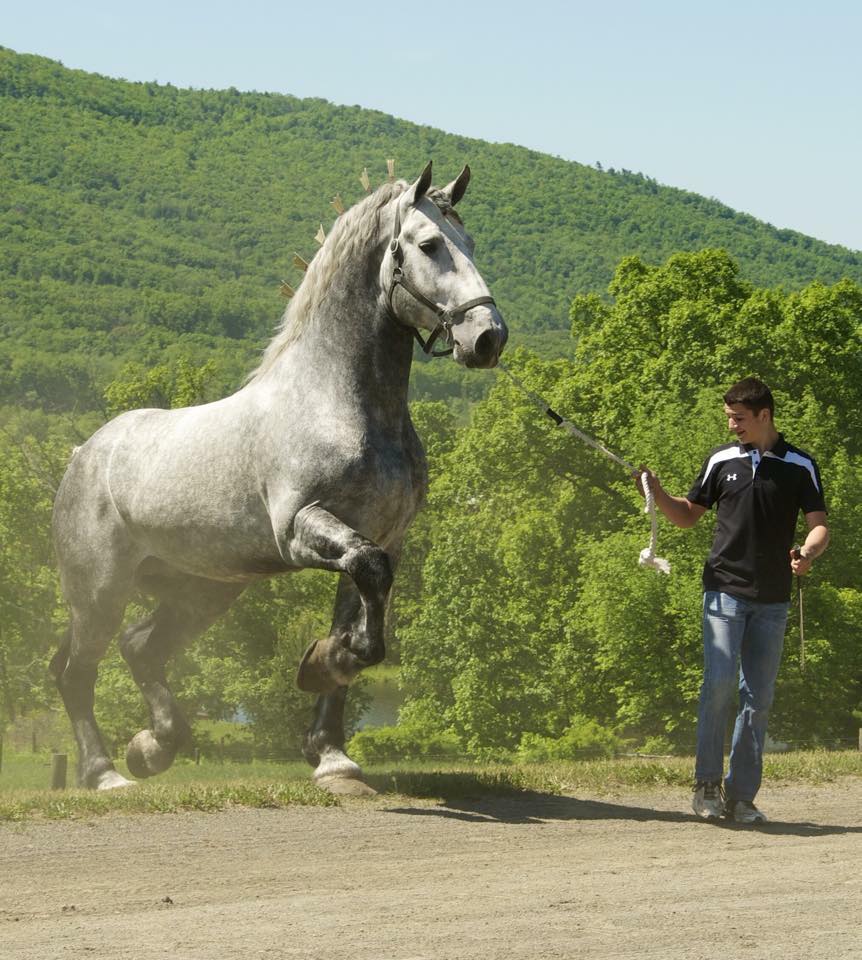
{"points": [[144, 232], [143, 222]]}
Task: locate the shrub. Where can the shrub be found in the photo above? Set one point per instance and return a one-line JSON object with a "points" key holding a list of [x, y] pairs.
{"points": [[381, 744], [658, 746], [583, 738]]}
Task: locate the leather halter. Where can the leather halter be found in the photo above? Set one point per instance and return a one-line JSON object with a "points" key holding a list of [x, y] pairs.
{"points": [[447, 317]]}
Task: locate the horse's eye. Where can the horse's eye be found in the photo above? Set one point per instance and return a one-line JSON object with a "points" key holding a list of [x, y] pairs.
{"points": [[429, 246]]}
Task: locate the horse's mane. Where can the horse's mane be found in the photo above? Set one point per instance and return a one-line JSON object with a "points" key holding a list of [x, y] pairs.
{"points": [[354, 231]]}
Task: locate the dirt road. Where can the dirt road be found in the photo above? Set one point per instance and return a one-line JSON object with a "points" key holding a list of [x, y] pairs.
{"points": [[629, 876]]}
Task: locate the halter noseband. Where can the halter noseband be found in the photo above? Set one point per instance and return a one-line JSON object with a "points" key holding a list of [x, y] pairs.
{"points": [[447, 317]]}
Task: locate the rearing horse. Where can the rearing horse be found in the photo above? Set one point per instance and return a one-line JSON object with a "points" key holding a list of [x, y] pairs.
{"points": [[313, 463]]}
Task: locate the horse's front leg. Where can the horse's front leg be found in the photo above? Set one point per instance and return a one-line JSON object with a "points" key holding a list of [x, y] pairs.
{"points": [[356, 638], [323, 745]]}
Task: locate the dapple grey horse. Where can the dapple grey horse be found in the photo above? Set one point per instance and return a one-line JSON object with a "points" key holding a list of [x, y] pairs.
{"points": [[314, 462]]}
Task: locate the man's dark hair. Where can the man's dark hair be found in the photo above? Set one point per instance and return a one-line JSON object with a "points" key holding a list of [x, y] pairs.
{"points": [[751, 393]]}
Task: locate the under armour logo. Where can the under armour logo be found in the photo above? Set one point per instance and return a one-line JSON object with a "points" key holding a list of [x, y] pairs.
{"points": [[730, 476]]}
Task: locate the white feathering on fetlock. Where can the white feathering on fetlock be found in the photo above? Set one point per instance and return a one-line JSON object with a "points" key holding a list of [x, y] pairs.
{"points": [[111, 780], [336, 763]]}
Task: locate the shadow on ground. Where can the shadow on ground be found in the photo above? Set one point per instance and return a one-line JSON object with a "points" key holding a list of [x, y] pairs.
{"points": [[471, 798]]}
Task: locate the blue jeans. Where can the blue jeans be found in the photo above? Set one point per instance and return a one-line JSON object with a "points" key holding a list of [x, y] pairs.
{"points": [[753, 634]]}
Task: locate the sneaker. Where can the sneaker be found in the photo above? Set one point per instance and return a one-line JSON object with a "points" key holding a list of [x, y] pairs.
{"points": [[744, 811], [707, 801]]}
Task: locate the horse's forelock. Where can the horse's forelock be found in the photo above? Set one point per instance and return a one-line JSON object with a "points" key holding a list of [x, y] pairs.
{"points": [[444, 205]]}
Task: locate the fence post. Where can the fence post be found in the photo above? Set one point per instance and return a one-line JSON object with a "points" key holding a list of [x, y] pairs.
{"points": [[58, 771], [1, 749], [860, 739]]}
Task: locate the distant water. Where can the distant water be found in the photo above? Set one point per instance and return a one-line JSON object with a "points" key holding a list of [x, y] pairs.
{"points": [[386, 698]]}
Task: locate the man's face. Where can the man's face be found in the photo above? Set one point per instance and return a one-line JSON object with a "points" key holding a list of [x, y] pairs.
{"points": [[749, 427]]}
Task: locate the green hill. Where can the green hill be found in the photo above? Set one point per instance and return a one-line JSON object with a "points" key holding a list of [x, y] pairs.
{"points": [[140, 221]]}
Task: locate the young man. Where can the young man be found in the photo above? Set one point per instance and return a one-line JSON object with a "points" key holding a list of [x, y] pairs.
{"points": [[759, 483]]}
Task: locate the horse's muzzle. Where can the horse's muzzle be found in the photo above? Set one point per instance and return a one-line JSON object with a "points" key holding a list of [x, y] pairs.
{"points": [[480, 343]]}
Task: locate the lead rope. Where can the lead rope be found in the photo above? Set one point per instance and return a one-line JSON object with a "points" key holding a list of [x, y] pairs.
{"points": [[648, 556], [797, 553]]}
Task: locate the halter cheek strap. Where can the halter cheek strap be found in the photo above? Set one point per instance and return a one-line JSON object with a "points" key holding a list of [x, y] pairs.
{"points": [[447, 317]]}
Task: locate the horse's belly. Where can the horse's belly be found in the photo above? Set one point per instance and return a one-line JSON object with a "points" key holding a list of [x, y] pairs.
{"points": [[233, 551], [203, 525]]}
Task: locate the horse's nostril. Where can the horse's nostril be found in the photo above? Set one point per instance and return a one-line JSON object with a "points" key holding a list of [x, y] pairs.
{"points": [[485, 346]]}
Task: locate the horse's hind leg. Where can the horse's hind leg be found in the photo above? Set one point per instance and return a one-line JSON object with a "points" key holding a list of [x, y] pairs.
{"points": [[188, 606], [75, 666]]}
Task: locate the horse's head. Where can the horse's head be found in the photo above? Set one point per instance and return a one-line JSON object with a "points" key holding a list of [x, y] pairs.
{"points": [[430, 279]]}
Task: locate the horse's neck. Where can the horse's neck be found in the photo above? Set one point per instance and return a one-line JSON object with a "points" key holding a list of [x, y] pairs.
{"points": [[353, 354]]}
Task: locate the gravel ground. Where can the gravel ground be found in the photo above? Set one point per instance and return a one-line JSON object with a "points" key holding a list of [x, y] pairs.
{"points": [[632, 875]]}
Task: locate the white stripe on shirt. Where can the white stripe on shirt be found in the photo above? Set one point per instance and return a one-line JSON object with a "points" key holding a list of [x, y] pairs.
{"points": [[732, 453], [800, 461]]}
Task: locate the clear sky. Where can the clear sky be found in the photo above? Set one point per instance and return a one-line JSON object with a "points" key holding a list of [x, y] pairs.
{"points": [[755, 103]]}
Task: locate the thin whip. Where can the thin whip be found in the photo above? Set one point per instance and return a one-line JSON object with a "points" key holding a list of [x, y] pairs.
{"points": [[648, 556]]}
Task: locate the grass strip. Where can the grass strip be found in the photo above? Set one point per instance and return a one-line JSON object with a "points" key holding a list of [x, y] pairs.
{"points": [[157, 798], [443, 781]]}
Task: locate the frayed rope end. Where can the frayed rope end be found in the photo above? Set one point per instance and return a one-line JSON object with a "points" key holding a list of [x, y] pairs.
{"points": [[647, 559]]}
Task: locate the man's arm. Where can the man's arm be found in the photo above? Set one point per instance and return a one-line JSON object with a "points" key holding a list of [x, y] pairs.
{"points": [[815, 543], [679, 510]]}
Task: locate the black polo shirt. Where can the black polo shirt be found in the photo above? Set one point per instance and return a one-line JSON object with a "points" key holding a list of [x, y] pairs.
{"points": [[759, 499]]}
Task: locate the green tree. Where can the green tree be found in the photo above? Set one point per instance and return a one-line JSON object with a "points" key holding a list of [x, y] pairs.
{"points": [[168, 385], [28, 587], [535, 611]]}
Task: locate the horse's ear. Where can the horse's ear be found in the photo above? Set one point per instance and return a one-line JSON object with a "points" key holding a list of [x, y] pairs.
{"points": [[458, 187], [420, 188]]}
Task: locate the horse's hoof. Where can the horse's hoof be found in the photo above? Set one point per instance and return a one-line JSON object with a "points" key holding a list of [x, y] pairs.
{"points": [[313, 675], [329, 664], [145, 756], [345, 786], [337, 773], [310, 677], [111, 780]]}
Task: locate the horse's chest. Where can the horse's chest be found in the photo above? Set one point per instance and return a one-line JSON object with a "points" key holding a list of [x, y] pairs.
{"points": [[382, 485], [385, 476]]}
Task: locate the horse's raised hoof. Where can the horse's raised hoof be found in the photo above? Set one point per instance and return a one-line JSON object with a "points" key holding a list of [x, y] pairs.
{"points": [[145, 756], [345, 786], [312, 677], [111, 780], [325, 666]]}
